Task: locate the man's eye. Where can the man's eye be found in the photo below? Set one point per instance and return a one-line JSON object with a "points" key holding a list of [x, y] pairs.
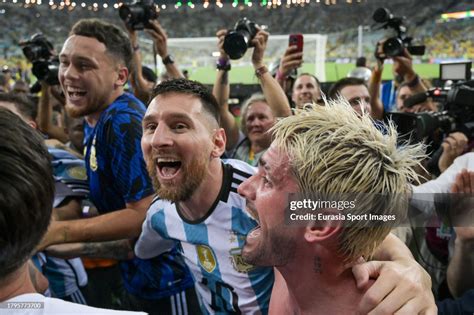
{"points": [[180, 126], [150, 127], [265, 180]]}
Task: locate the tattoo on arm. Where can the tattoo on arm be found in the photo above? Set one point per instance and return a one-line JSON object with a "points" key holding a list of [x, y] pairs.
{"points": [[225, 78], [121, 250], [318, 267]]}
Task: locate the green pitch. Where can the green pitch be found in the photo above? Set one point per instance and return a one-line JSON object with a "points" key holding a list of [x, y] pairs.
{"points": [[334, 72]]}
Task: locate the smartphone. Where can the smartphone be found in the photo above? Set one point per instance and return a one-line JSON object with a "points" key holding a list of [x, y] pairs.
{"points": [[296, 40]]}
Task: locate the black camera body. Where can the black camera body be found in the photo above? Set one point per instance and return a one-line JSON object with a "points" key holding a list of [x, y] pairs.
{"points": [[394, 46], [238, 40], [137, 14], [457, 114], [40, 52]]}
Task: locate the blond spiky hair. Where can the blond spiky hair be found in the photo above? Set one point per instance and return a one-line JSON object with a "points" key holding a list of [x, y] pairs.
{"points": [[333, 150]]}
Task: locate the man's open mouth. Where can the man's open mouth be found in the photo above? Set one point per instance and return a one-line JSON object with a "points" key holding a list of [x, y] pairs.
{"points": [[255, 232], [168, 168], [75, 93]]}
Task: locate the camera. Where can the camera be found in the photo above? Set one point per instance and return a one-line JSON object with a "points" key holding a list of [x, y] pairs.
{"points": [[137, 14], [238, 40], [457, 103], [394, 46], [40, 52]]}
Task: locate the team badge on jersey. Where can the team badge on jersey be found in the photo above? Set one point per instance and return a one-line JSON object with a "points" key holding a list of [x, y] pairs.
{"points": [[93, 158], [238, 262], [77, 172], [206, 257]]}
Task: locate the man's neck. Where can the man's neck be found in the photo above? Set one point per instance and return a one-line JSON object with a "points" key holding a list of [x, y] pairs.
{"points": [[206, 194], [328, 286], [16, 284], [93, 118]]}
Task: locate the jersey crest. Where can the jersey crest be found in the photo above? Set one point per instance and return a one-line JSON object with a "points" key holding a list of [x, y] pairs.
{"points": [[207, 259]]}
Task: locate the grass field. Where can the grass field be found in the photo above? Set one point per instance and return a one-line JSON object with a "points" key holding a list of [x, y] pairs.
{"points": [[334, 72]]}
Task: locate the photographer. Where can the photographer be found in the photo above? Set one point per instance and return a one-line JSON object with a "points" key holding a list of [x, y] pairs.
{"points": [[140, 86], [410, 81], [260, 112]]}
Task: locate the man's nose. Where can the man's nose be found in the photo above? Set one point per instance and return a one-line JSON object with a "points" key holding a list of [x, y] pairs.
{"points": [[247, 188], [162, 137]]}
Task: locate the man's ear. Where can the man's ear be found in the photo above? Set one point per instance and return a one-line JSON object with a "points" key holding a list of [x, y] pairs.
{"points": [[219, 140], [122, 76], [325, 230]]}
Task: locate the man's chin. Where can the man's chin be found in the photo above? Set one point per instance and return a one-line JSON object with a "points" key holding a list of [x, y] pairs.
{"points": [[75, 111]]}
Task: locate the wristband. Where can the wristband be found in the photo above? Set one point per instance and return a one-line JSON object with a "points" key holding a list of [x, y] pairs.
{"points": [[261, 71], [223, 64]]}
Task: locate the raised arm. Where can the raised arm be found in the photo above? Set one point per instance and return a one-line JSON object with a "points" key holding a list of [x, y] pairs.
{"points": [[139, 85], [221, 91], [45, 116], [273, 92], [158, 34], [374, 90]]}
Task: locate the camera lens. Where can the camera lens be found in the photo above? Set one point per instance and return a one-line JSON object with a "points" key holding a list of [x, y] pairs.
{"points": [[381, 15], [236, 43], [393, 47]]}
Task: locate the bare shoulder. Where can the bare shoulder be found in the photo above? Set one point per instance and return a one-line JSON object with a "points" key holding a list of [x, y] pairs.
{"points": [[279, 301]]}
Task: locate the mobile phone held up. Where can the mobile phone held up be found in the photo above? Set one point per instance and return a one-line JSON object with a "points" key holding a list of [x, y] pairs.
{"points": [[296, 40]]}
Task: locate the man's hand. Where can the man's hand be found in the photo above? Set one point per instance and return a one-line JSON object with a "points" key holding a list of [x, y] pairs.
{"points": [[292, 59], [50, 237], [220, 43], [132, 34], [464, 205], [403, 66], [401, 287], [260, 43], [158, 34], [453, 146]]}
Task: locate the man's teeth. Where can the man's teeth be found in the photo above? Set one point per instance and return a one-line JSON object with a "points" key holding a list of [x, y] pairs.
{"points": [[166, 160], [75, 90]]}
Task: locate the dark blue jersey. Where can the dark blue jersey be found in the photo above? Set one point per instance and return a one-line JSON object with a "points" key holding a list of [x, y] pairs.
{"points": [[117, 175]]}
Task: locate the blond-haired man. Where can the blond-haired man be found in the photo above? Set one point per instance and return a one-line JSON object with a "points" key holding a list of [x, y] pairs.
{"points": [[328, 150]]}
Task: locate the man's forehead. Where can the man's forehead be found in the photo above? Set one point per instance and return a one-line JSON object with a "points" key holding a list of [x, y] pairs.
{"points": [[354, 90], [82, 43], [275, 161], [175, 103], [305, 79]]}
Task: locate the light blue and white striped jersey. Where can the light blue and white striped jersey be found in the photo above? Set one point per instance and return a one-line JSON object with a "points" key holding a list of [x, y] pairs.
{"points": [[212, 247]]}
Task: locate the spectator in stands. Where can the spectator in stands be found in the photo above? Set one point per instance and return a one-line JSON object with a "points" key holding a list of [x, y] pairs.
{"points": [[259, 112], [94, 67], [139, 81], [21, 87], [26, 203], [355, 91], [199, 207], [314, 259], [306, 90], [4, 87]]}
